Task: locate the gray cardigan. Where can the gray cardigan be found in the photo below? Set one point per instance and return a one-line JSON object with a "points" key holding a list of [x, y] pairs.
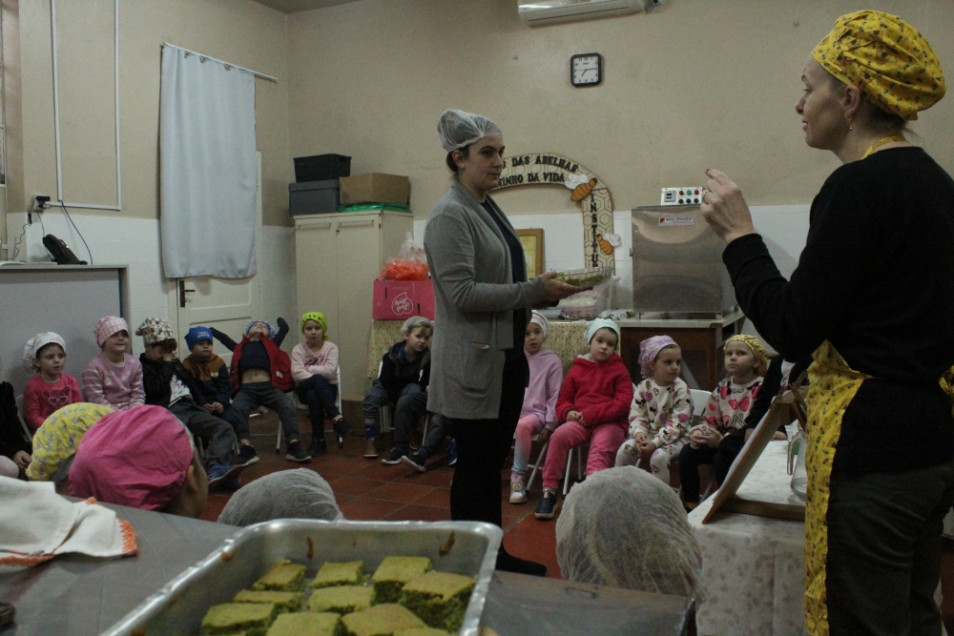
{"points": [[474, 297]]}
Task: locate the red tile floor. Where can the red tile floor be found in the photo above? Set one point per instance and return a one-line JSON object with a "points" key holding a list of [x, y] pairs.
{"points": [[368, 490]]}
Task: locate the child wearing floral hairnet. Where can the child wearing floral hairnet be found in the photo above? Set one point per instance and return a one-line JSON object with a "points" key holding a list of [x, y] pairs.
{"points": [[661, 410], [720, 436]]}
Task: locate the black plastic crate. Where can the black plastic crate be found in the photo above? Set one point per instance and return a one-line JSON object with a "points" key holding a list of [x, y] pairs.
{"points": [[321, 167]]}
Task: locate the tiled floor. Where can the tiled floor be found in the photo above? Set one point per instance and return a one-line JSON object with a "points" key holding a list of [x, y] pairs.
{"points": [[368, 490]]}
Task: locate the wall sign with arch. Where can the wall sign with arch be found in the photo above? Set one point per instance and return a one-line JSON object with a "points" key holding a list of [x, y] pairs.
{"points": [[599, 241]]}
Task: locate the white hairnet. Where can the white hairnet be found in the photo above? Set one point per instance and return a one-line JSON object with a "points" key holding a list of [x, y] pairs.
{"points": [[457, 129], [297, 493], [625, 528]]}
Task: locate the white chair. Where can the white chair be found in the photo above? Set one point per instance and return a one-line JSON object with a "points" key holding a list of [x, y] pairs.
{"points": [[18, 400], [541, 456], [304, 407], [699, 400]]}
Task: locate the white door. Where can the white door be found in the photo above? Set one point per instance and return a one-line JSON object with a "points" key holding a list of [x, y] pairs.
{"points": [[228, 304]]}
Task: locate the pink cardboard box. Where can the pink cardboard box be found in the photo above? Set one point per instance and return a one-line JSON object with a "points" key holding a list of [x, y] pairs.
{"points": [[401, 299]]}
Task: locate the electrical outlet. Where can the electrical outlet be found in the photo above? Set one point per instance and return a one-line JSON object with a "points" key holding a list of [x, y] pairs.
{"points": [[691, 195], [40, 202]]}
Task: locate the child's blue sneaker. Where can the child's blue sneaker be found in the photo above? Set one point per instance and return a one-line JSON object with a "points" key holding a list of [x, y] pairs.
{"points": [[547, 505], [452, 453], [222, 473]]}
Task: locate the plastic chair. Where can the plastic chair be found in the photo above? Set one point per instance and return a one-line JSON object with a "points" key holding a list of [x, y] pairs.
{"points": [[304, 407], [18, 400], [542, 455]]}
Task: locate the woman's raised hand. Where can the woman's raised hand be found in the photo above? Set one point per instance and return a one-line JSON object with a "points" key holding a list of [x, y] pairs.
{"points": [[724, 208]]}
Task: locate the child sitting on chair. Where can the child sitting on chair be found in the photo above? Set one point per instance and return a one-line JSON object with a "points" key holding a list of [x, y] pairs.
{"points": [[214, 388], [593, 404], [314, 367], [49, 389], [405, 375], [661, 410], [538, 414], [169, 385], [261, 375], [114, 377], [720, 436]]}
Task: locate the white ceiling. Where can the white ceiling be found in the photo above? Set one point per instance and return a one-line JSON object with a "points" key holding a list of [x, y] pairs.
{"points": [[295, 6]]}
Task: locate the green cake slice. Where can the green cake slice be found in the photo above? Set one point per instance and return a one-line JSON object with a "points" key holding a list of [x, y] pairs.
{"points": [[283, 575], [439, 598], [305, 624], [228, 618], [283, 601], [380, 620], [339, 573], [343, 599], [421, 631], [394, 572]]}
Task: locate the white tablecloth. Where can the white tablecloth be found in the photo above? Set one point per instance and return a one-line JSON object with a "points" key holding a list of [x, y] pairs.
{"points": [[753, 567]]}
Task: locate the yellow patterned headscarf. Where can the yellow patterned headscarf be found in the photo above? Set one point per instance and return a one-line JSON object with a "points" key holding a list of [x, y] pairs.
{"points": [[318, 317], [888, 59], [753, 343]]}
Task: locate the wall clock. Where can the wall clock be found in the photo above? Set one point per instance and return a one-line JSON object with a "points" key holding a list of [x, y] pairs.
{"points": [[586, 69]]}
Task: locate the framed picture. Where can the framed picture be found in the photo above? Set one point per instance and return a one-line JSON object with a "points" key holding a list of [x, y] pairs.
{"points": [[532, 241]]}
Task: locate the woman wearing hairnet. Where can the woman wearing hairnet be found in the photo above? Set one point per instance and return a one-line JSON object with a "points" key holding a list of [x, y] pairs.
{"points": [[300, 493], [872, 299], [624, 528], [483, 299]]}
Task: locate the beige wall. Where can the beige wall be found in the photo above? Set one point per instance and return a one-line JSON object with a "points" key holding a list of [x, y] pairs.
{"points": [[694, 84], [237, 31]]}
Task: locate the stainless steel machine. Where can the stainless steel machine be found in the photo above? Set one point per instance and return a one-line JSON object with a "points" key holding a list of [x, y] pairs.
{"points": [[677, 264]]}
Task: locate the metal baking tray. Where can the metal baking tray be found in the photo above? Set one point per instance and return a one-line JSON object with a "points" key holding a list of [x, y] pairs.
{"points": [[462, 547]]}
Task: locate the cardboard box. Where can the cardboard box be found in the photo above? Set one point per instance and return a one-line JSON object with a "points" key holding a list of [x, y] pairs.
{"points": [[401, 299], [375, 188], [313, 197]]}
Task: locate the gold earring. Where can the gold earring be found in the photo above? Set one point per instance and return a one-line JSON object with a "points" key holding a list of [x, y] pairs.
{"points": [[848, 123]]}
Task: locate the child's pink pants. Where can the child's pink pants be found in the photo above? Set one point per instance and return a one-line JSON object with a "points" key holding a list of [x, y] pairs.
{"points": [[604, 440]]}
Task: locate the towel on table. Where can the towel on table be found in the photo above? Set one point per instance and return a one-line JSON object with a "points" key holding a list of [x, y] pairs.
{"points": [[37, 524]]}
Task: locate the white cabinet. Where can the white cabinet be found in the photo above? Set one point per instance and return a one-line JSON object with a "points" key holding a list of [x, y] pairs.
{"points": [[338, 256]]}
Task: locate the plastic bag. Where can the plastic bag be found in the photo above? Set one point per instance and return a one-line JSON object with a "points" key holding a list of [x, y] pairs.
{"points": [[410, 263]]}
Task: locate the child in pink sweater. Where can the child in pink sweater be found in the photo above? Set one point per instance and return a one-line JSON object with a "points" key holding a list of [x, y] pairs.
{"points": [[49, 389], [113, 377], [538, 415]]}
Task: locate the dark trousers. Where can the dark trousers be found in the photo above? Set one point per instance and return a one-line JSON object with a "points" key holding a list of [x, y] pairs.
{"points": [[251, 395], [319, 395], [215, 431], [884, 551], [482, 446], [720, 457]]}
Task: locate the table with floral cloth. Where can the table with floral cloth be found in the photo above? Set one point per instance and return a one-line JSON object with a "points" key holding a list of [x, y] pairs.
{"points": [[753, 567], [565, 340]]}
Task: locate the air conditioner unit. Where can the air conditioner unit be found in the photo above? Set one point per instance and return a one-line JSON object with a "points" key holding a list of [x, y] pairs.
{"points": [[540, 12]]}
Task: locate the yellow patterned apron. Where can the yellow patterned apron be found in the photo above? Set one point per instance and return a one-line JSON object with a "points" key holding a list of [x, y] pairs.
{"points": [[832, 386]]}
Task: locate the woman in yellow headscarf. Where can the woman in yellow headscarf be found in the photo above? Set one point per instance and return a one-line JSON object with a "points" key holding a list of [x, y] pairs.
{"points": [[873, 299]]}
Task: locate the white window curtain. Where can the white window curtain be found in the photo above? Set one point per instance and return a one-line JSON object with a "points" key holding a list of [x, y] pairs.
{"points": [[207, 167]]}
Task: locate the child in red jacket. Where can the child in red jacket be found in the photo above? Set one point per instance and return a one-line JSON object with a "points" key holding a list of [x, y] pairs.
{"points": [[261, 375], [593, 406]]}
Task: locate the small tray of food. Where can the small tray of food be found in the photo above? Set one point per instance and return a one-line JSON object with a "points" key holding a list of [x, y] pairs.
{"points": [[585, 277], [345, 577]]}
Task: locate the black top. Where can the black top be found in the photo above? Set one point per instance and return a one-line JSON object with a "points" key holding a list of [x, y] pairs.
{"points": [[397, 371], [254, 355], [12, 436], [874, 279], [518, 270]]}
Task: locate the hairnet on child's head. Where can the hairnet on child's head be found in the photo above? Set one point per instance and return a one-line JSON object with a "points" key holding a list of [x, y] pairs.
{"points": [[625, 528], [649, 350], [537, 318], [416, 321], [154, 331], [297, 493], [458, 129], [32, 347], [318, 317], [107, 326], [600, 323], [272, 332], [755, 346], [55, 442]]}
